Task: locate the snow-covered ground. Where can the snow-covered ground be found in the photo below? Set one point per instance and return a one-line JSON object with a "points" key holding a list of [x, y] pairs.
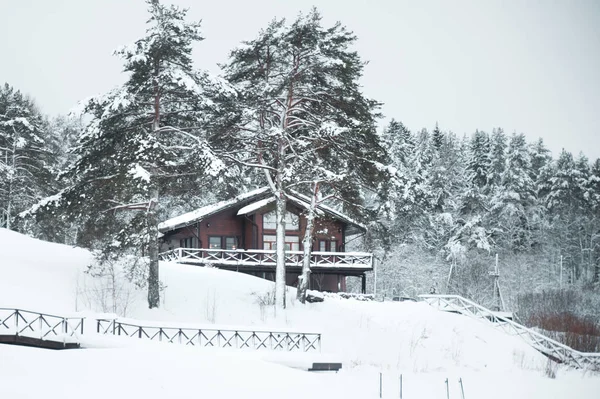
{"points": [[424, 345]]}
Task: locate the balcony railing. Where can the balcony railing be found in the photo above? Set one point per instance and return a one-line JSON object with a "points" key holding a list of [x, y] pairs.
{"points": [[268, 258]]}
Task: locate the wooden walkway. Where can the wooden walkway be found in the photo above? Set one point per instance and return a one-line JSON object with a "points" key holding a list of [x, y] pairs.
{"points": [[37, 342], [40, 330], [549, 347]]}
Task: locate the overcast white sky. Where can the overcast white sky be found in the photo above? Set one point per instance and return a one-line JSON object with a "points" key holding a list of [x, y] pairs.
{"points": [[525, 65]]}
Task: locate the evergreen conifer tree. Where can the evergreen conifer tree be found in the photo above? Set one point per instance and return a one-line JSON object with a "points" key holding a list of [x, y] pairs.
{"points": [[26, 158], [142, 136]]}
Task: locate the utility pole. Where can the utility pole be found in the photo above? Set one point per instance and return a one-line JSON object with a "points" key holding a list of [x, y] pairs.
{"points": [[561, 271], [374, 277], [497, 295]]}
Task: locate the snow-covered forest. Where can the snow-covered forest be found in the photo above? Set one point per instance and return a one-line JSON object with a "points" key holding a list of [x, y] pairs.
{"points": [[288, 111]]}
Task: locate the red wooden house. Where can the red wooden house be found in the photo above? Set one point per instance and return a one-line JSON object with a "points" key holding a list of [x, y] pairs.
{"points": [[239, 234]]}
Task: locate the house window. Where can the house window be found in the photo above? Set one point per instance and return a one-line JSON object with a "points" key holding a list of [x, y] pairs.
{"points": [[332, 246], [291, 221], [292, 243], [214, 242], [231, 243], [327, 246], [322, 246], [188, 242], [269, 242]]}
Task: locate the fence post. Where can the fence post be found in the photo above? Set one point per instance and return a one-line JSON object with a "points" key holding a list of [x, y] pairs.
{"points": [[447, 390], [400, 386], [380, 385]]}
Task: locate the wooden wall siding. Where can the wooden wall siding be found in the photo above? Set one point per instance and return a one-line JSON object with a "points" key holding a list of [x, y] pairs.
{"points": [[249, 241], [225, 224]]}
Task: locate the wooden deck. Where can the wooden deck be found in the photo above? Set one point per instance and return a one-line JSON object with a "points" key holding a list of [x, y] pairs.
{"points": [[37, 342], [349, 263], [40, 330]]}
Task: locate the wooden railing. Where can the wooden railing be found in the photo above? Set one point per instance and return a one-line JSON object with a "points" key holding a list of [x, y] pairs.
{"points": [[218, 338], [39, 325], [551, 348], [258, 257]]}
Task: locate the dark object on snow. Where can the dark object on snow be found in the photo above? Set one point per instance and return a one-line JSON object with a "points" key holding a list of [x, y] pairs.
{"points": [[403, 299], [314, 298], [36, 342], [326, 367], [351, 295]]}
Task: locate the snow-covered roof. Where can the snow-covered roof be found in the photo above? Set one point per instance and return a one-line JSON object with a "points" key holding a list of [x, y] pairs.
{"points": [[248, 209], [294, 197], [201, 213], [338, 215]]}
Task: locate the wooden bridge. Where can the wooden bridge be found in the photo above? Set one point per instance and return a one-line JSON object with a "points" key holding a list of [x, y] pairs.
{"points": [[549, 347], [23, 327], [259, 260], [213, 337]]}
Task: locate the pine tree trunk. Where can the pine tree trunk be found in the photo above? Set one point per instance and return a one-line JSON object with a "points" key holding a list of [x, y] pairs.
{"points": [[10, 181], [280, 239], [153, 278], [596, 278], [304, 278]]}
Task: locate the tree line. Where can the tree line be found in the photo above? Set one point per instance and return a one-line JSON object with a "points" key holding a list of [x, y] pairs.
{"points": [[458, 201]]}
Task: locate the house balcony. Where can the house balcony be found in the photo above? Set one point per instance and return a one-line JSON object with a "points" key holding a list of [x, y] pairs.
{"points": [[348, 263]]}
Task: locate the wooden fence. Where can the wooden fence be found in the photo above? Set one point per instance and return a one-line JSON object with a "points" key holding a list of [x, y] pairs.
{"points": [[218, 338]]}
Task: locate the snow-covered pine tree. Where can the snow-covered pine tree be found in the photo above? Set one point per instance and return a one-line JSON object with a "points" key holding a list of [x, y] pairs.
{"points": [[399, 143], [144, 135], [480, 162], [437, 138], [594, 202], [594, 187], [563, 185], [497, 156], [475, 197], [515, 197], [25, 155], [298, 95], [62, 136]]}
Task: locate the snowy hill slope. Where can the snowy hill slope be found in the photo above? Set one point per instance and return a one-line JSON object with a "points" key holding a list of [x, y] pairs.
{"points": [[368, 337], [49, 277], [39, 275]]}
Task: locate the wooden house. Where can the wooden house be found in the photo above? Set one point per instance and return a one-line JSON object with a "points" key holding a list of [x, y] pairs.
{"points": [[239, 234]]}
